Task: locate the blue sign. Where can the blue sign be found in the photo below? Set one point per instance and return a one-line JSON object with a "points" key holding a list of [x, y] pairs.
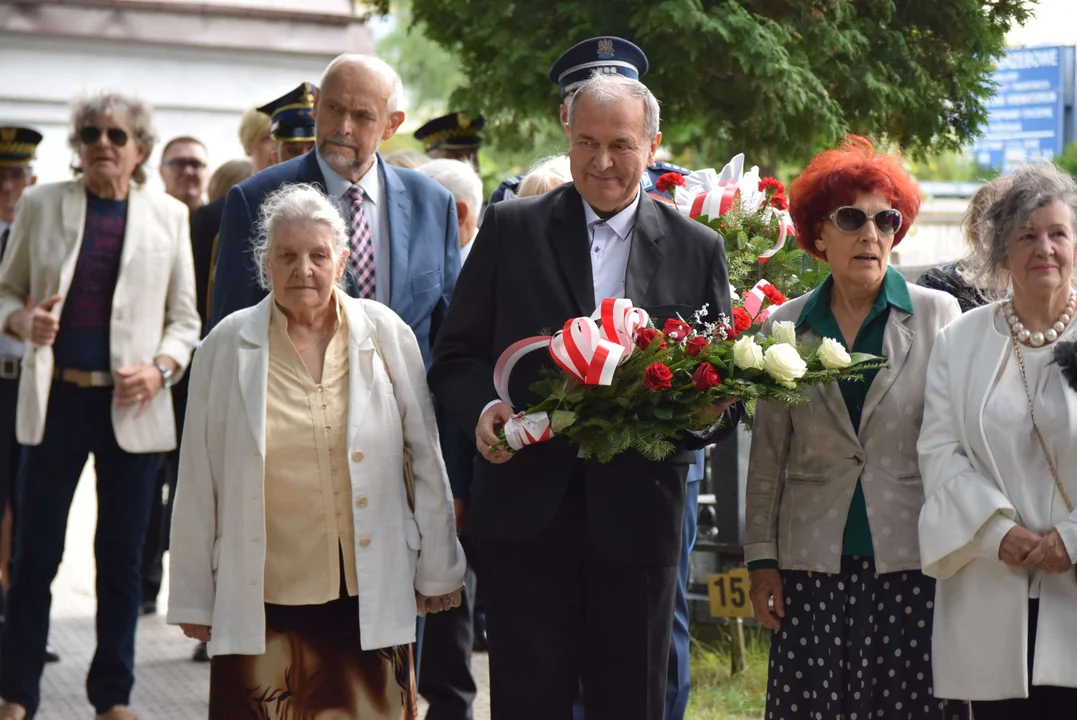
{"points": [[1031, 116]]}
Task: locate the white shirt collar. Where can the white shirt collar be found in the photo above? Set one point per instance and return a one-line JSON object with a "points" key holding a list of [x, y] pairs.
{"points": [[621, 223], [336, 186]]}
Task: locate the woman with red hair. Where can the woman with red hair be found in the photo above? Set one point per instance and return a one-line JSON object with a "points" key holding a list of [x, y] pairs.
{"points": [[834, 488]]}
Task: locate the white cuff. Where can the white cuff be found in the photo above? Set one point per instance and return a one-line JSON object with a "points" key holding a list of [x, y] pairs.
{"points": [[488, 406], [989, 537]]}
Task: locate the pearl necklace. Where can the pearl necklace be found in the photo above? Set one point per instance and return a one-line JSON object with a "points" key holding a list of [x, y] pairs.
{"points": [[1038, 339]]}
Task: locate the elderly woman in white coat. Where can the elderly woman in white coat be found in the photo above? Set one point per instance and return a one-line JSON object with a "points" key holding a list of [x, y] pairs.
{"points": [[997, 453], [310, 479]]}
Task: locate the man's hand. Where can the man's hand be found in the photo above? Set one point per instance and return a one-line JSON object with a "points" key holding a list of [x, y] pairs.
{"points": [[486, 433], [137, 385], [201, 633], [768, 605], [1016, 546], [1049, 554], [432, 604], [37, 326], [714, 412], [460, 510]]}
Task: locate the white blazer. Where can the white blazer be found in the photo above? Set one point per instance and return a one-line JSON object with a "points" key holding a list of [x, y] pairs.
{"points": [[153, 306], [218, 546], [981, 605]]}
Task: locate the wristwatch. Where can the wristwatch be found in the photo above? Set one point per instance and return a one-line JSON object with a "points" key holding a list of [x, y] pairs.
{"points": [[166, 374]]}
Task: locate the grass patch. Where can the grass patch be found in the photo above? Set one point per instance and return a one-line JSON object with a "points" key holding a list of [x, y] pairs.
{"points": [[716, 693]]}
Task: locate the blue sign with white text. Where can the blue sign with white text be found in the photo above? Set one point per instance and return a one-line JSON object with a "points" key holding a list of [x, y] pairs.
{"points": [[1031, 116]]}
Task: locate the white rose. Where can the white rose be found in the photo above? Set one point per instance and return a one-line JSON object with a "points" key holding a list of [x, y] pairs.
{"points": [[784, 331], [783, 363], [833, 355], [747, 355]]}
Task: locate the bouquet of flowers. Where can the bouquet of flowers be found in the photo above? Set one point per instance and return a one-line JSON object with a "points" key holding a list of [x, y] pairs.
{"points": [[622, 383]]}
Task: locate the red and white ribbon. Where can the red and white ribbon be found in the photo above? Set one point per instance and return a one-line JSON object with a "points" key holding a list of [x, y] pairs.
{"points": [[785, 229], [753, 301], [582, 351], [512, 355], [714, 203], [619, 322], [523, 430]]}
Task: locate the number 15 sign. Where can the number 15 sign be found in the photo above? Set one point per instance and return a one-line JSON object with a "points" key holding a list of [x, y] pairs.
{"points": [[729, 594]]}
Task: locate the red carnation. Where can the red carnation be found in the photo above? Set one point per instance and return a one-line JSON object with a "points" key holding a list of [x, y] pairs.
{"points": [[696, 345], [774, 295], [676, 330], [741, 320], [668, 180], [657, 377], [646, 336], [780, 201], [730, 333], [706, 377], [769, 183]]}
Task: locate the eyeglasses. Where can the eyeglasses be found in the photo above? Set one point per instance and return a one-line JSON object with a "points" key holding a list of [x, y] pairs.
{"points": [[850, 219], [186, 164], [90, 135]]}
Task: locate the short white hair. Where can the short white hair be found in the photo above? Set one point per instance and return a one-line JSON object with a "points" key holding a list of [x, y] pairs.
{"points": [[388, 74], [609, 89], [457, 177], [294, 203], [545, 175]]}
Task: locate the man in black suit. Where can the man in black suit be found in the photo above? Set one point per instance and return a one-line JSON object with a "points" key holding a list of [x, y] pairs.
{"points": [[579, 558]]}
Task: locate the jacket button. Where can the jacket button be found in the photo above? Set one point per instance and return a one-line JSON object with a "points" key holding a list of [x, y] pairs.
{"points": [[361, 502], [357, 455], [364, 542]]}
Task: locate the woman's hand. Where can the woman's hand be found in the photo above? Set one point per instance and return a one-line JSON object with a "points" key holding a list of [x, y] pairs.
{"points": [[767, 586], [1016, 546], [428, 604], [1049, 555], [201, 633]]}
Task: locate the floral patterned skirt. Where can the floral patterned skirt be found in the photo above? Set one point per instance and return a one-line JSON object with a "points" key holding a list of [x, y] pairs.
{"points": [[314, 669]]}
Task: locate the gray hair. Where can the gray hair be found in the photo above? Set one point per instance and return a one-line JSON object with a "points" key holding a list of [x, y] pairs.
{"points": [[1007, 206], [84, 112], [379, 66], [545, 175], [295, 203], [608, 89], [457, 177]]}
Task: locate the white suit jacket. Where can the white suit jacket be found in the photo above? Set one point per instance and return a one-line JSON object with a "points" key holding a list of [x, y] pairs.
{"points": [[218, 546], [153, 306], [981, 604]]}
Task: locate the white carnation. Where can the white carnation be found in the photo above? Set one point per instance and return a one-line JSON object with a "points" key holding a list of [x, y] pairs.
{"points": [[833, 355], [783, 363], [784, 331], [747, 355]]}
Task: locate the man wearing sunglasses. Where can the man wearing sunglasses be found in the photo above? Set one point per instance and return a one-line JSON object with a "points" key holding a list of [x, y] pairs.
{"points": [[185, 171]]}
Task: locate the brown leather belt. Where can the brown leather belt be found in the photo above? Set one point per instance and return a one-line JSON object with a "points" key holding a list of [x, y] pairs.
{"points": [[9, 368], [84, 378]]}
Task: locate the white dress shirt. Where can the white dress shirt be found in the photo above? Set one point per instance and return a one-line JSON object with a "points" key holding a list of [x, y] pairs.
{"points": [[466, 249], [9, 347], [377, 217], [1021, 463], [610, 243]]}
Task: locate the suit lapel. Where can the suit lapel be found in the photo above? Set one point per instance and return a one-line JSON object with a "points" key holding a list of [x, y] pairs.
{"points": [[73, 212], [361, 356], [399, 211], [137, 218], [645, 255], [309, 172], [897, 340], [253, 369], [570, 244]]}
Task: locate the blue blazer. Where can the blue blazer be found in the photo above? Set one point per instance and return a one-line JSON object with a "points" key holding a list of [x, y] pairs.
{"points": [[424, 242]]}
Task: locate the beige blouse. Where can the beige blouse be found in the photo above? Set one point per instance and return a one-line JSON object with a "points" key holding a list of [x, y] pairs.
{"points": [[309, 523]]}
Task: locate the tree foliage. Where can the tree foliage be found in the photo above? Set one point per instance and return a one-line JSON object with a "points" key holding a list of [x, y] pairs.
{"points": [[777, 79]]}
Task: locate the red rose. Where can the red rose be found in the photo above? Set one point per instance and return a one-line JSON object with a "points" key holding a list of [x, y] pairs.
{"points": [[668, 180], [774, 295], [657, 377], [706, 377], [696, 345], [645, 336], [676, 330], [769, 183], [780, 201], [741, 320]]}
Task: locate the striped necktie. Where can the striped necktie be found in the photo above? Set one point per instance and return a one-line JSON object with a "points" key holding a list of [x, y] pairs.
{"points": [[360, 245]]}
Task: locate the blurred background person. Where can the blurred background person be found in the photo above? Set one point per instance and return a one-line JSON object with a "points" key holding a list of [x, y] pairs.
{"points": [[109, 335], [256, 140], [833, 490], [455, 136], [291, 124], [409, 159], [545, 175], [997, 454], [313, 517], [185, 171], [460, 179]]}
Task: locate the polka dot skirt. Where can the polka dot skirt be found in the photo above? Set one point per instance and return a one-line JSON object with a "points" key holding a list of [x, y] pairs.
{"points": [[855, 646]]}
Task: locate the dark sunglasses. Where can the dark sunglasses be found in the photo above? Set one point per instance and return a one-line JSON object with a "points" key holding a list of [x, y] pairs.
{"points": [[90, 134], [850, 219], [186, 164]]}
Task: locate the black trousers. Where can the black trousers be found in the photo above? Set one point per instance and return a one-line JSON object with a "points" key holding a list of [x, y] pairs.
{"points": [[560, 612], [1044, 702], [446, 681], [10, 456]]}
